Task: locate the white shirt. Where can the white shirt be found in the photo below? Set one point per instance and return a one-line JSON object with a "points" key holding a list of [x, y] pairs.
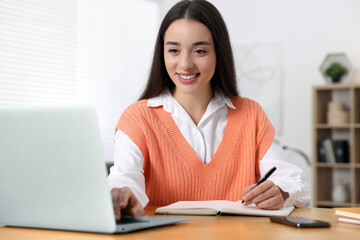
{"points": [[204, 138]]}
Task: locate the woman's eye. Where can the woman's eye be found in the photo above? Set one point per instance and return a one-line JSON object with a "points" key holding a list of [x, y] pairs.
{"points": [[173, 51], [200, 51]]}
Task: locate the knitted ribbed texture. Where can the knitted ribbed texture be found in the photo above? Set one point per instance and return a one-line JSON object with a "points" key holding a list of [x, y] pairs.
{"points": [[173, 172]]}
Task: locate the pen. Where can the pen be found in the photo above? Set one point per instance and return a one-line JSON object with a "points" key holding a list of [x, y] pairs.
{"points": [[267, 175]]}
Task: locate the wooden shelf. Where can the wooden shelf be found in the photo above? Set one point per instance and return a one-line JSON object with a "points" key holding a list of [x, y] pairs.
{"points": [[333, 204], [333, 165], [338, 86], [328, 174], [330, 126]]}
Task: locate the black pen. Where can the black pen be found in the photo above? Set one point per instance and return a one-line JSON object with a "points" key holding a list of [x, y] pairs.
{"points": [[267, 175]]}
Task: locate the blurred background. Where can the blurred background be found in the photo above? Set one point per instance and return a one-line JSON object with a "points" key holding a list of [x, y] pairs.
{"points": [[91, 52]]}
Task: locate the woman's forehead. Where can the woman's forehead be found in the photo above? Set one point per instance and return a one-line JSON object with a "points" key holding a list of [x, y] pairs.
{"points": [[188, 31]]}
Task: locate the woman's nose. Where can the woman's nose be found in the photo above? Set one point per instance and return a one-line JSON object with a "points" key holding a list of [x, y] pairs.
{"points": [[186, 61]]}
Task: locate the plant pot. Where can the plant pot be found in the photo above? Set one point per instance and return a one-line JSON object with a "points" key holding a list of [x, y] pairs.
{"points": [[336, 79]]}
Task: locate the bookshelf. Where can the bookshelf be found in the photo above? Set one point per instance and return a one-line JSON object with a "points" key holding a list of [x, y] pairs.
{"points": [[327, 175]]}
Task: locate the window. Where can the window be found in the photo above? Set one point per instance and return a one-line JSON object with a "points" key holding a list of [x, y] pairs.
{"points": [[77, 53]]}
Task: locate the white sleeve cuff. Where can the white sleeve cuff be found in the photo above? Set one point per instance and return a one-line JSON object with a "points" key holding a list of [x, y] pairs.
{"points": [[289, 177], [299, 193]]}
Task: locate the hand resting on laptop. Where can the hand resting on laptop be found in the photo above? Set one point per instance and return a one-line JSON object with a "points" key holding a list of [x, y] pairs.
{"points": [[125, 203]]}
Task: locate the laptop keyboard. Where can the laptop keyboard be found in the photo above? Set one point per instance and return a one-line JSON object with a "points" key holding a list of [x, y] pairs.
{"points": [[128, 220]]}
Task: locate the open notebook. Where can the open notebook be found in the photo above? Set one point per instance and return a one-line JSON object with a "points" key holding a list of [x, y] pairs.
{"points": [[218, 207]]}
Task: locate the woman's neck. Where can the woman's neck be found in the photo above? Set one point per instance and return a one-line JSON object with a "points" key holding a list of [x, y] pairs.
{"points": [[194, 104]]}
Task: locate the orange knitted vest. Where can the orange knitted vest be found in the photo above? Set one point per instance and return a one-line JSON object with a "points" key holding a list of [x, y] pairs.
{"points": [[173, 171]]}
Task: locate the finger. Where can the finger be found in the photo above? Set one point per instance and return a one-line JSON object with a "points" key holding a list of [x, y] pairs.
{"points": [[275, 202], [137, 210], [115, 194], [269, 193], [272, 199], [124, 197], [248, 188], [131, 206], [257, 190]]}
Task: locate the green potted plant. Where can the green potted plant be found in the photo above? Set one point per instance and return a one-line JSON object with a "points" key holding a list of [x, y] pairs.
{"points": [[335, 71]]}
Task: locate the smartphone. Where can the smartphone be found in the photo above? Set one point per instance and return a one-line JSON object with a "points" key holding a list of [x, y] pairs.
{"points": [[300, 222]]}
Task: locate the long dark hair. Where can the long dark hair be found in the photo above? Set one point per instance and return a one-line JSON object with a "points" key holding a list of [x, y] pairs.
{"points": [[202, 11]]}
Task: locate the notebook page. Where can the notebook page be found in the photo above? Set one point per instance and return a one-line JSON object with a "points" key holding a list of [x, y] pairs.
{"points": [[239, 208], [238, 204]]}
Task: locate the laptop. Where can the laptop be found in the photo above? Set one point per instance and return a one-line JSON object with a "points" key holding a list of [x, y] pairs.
{"points": [[53, 173]]}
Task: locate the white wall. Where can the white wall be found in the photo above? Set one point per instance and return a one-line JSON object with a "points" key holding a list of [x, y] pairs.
{"points": [[309, 30]]}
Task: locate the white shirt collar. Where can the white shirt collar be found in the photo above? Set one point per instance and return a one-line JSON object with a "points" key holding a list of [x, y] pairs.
{"points": [[168, 101], [172, 106]]}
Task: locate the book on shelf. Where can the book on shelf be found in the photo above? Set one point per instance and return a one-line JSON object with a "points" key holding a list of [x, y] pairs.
{"points": [[333, 151], [329, 151], [219, 207], [341, 150], [321, 151]]}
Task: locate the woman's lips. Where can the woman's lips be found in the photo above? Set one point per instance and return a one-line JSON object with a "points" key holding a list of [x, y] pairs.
{"points": [[187, 78]]}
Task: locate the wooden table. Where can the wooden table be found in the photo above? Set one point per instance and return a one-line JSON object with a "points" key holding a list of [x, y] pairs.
{"points": [[210, 227]]}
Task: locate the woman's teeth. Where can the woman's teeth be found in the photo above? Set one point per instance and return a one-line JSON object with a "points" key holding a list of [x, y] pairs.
{"points": [[188, 77]]}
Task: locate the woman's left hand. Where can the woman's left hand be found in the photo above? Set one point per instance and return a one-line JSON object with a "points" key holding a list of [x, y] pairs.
{"points": [[266, 196]]}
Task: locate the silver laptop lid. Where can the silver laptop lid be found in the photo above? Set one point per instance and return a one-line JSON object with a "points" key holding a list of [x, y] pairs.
{"points": [[52, 170]]}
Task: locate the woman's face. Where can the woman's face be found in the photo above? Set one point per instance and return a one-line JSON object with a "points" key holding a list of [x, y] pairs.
{"points": [[190, 57]]}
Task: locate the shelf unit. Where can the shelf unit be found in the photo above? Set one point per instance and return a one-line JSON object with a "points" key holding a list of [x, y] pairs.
{"points": [[327, 175]]}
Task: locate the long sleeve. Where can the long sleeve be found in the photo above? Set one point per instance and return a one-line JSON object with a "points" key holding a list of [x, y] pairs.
{"points": [[128, 169], [287, 176], [204, 138]]}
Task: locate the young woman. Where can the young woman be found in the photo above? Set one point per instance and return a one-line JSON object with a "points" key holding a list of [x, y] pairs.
{"points": [[191, 137]]}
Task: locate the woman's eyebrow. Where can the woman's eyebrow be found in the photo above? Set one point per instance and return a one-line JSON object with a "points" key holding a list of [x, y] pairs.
{"points": [[194, 44], [172, 43], [201, 43]]}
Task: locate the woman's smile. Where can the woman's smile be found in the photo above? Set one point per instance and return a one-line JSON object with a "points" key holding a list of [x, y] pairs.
{"points": [[188, 78]]}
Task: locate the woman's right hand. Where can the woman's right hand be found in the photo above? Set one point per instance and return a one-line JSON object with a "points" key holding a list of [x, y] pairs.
{"points": [[125, 203]]}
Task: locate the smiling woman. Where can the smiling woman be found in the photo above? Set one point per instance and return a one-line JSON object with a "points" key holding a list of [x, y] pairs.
{"points": [[190, 136]]}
